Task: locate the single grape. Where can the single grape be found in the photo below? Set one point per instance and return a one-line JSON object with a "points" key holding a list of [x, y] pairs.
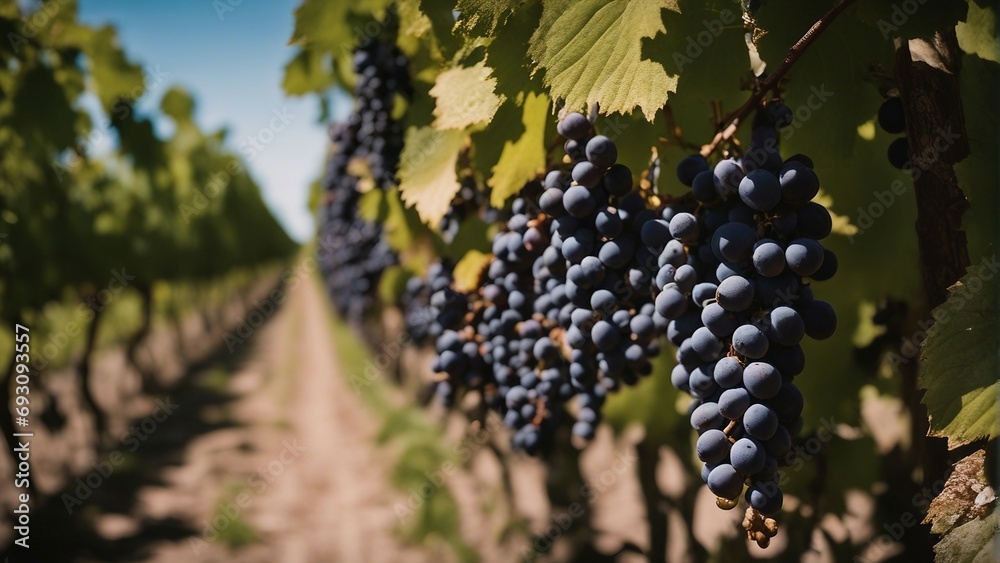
{"points": [[761, 380], [574, 126], [683, 227], [586, 174], [713, 446], [804, 256], [725, 482], [735, 294], [578, 201], [747, 456], [689, 167], [820, 319], [760, 190], [602, 152], [734, 402], [891, 117], [760, 422], [749, 341]]}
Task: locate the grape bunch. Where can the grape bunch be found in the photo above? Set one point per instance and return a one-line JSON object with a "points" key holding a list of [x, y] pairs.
{"points": [[587, 277], [891, 119], [352, 252], [565, 310], [753, 244]]}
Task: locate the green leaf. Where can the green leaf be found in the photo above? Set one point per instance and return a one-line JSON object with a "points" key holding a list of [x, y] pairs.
{"points": [[428, 181], [469, 270], [591, 52], [978, 175], [442, 17], [912, 19], [306, 72], [827, 88], [959, 368], [481, 17], [978, 33], [114, 76], [178, 104], [42, 109], [372, 206], [465, 97], [328, 31], [473, 234], [524, 159], [507, 54]]}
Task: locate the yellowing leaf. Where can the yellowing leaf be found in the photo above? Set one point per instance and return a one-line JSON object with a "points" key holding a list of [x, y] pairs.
{"points": [[469, 269], [411, 20], [591, 52], [428, 181], [959, 367], [978, 34], [523, 159], [465, 96]]}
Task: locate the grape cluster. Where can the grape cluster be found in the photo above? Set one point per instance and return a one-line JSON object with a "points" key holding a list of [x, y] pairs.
{"points": [[352, 252], [892, 119], [587, 277], [753, 244], [565, 310]]}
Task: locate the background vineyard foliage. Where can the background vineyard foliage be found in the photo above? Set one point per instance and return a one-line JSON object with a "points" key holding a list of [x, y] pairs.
{"points": [[103, 224], [490, 78]]}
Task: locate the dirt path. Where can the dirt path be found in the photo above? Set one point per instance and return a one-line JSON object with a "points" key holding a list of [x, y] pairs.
{"points": [[300, 463]]}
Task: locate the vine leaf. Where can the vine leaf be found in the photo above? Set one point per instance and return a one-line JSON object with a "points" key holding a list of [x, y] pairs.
{"points": [[523, 159], [114, 75], [978, 34], [591, 52], [481, 17], [465, 97], [428, 181], [469, 270], [306, 73], [959, 369]]}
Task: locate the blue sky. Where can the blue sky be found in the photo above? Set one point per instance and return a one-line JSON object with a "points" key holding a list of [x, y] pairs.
{"points": [[232, 63]]}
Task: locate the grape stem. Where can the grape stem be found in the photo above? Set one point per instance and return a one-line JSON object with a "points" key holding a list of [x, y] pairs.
{"points": [[762, 87]]}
